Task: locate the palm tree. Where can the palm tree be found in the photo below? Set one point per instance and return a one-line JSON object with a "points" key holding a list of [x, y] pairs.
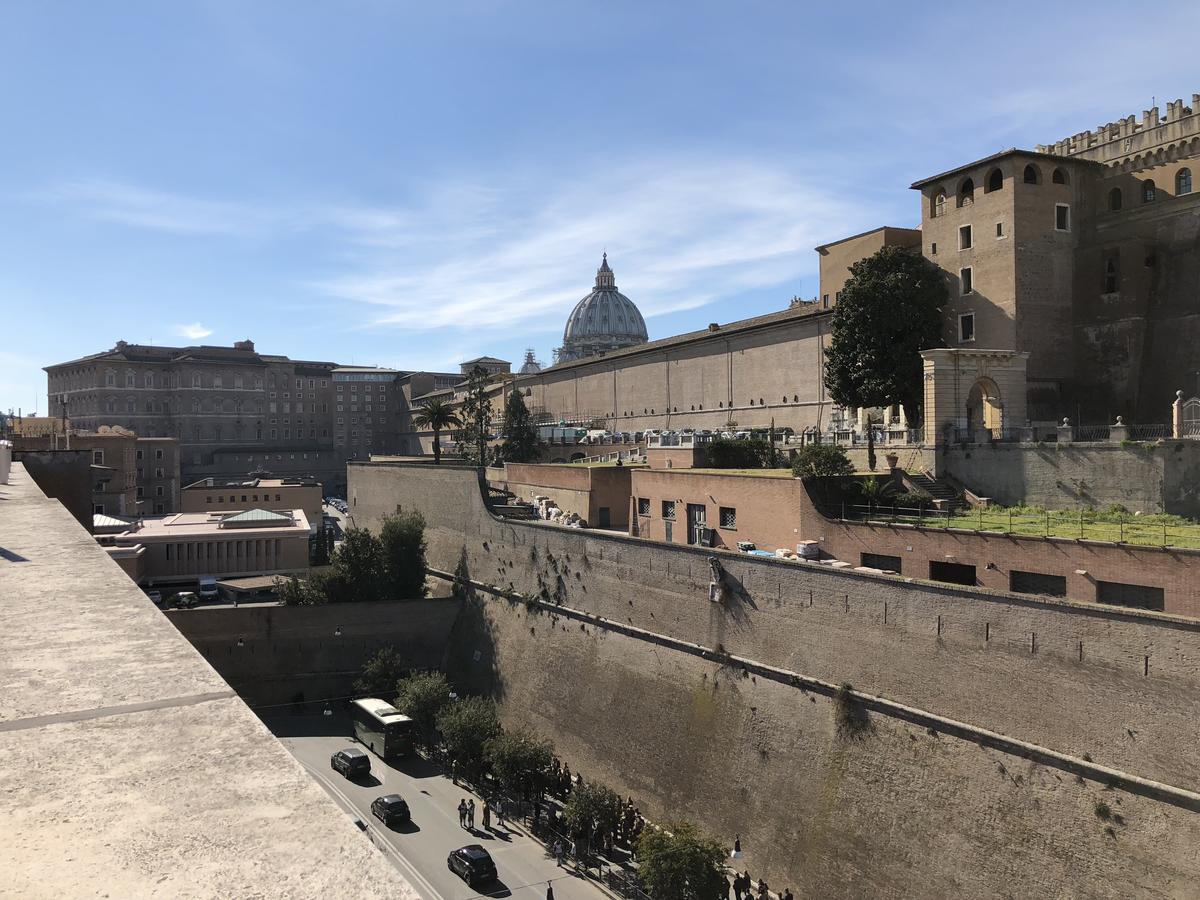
{"points": [[435, 415]]}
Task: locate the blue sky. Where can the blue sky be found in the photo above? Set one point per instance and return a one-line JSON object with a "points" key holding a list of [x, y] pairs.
{"points": [[413, 184]]}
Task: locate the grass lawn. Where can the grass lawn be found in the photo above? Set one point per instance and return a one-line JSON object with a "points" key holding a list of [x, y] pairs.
{"points": [[1149, 531]]}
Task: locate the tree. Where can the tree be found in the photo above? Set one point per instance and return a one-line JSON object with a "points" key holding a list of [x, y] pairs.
{"points": [[890, 310], [519, 759], [436, 414], [734, 454], [402, 542], [821, 461], [466, 726], [680, 863], [295, 591], [521, 443], [359, 569], [320, 547], [476, 414], [592, 811], [381, 673], [421, 696]]}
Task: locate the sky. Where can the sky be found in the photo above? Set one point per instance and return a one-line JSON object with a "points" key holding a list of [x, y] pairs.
{"points": [[415, 184]]}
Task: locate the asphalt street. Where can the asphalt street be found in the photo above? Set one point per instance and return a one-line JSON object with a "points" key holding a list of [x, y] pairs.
{"points": [[419, 850]]}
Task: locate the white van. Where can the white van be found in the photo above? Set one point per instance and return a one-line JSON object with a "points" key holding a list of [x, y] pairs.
{"points": [[208, 588]]}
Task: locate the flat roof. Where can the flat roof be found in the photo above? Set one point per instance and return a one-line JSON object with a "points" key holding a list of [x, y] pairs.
{"points": [[198, 524], [211, 484], [863, 234], [150, 776]]}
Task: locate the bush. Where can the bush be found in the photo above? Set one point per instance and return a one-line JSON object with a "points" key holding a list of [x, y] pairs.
{"points": [[381, 674], [821, 461], [748, 454], [912, 500]]}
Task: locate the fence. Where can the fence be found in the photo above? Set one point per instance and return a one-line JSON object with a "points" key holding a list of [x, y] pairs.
{"points": [[1145, 531]]}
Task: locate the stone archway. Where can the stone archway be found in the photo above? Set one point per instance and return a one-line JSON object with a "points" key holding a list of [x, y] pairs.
{"points": [[985, 411]]}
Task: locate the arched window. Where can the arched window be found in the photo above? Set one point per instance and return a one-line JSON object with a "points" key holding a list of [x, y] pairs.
{"points": [[966, 193], [939, 204], [1032, 175], [149, 380], [195, 406], [1059, 177], [995, 181], [1114, 199], [1149, 192], [1183, 182]]}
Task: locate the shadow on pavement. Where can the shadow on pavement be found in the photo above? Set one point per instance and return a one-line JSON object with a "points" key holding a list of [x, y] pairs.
{"points": [[497, 889], [409, 827], [416, 767], [367, 780]]}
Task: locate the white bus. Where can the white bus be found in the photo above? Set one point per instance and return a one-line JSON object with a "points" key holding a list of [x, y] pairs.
{"points": [[381, 727]]}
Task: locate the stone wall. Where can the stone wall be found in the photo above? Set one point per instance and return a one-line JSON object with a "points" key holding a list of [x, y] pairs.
{"points": [[1147, 478], [1118, 687], [287, 651]]}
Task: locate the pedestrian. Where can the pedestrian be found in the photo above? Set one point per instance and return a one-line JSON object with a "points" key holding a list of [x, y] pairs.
{"points": [[462, 813], [747, 884], [471, 814], [487, 815], [728, 888], [549, 891], [500, 811], [558, 853], [787, 895], [763, 894]]}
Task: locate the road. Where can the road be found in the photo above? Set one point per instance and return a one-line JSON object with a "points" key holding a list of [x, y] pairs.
{"points": [[419, 850]]}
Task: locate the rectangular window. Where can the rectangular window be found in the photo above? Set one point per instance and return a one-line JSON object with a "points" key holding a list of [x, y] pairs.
{"points": [[668, 509], [158, 491], [97, 457], [1139, 596], [1037, 583], [952, 573], [158, 454], [966, 327], [882, 561], [999, 229], [98, 509], [1062, 217], [964, 237], [139, 455], [158, 473], [643, 506], [825, 300], [728, 517], [933, 249], [965, 280]]}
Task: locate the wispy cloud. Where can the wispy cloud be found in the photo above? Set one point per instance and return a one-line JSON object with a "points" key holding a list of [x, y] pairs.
{"points": [[140, 207], [678, 235], [193, 332]]}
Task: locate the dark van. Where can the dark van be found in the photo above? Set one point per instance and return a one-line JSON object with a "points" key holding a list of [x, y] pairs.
{"points": [[351, 762]]}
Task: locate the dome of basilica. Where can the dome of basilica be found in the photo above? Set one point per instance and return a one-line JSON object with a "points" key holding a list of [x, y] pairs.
{"points": [[603, 320]]}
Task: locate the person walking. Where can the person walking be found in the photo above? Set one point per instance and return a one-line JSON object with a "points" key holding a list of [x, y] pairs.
{"points": [[462, 813], [558, 853], [549, 891], [763, 893], [787, 895], [487, 815], [500, 811], [471, 813]]}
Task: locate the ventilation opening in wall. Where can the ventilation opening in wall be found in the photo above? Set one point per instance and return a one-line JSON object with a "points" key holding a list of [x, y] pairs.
{"points": [[952, 573], [1138, 596], [882, 561], [1037, 583]]}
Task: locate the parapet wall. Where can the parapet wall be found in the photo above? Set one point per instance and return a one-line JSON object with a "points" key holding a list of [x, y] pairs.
{"points": [[1130, 136], [1116, 686]]}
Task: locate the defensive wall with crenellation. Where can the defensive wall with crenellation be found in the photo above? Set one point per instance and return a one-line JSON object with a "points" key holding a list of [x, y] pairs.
{"points": [[1011, 746]]}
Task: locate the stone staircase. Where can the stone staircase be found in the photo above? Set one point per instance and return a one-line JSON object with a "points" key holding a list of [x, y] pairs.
{"points": [[944, 495]]}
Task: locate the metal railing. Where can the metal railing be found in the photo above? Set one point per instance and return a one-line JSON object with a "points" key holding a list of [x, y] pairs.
{"points": [[1076, 524]]}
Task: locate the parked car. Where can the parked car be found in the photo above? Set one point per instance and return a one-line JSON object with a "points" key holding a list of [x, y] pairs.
{"points": [[390, 809], [472, 864], [351, 762], [186, 600], [208, 588], [155, 597]]}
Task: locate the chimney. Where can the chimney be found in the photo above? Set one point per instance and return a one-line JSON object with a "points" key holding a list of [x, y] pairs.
{"points": [[244, 345], [713, 326]]}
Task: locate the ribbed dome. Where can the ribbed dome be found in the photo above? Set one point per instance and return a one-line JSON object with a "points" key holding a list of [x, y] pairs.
{"points": [[603, 320]]}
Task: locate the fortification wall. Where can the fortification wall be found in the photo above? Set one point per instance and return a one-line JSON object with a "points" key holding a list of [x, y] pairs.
{"points": [[270, 654], [1119, 687], [898, 811]]}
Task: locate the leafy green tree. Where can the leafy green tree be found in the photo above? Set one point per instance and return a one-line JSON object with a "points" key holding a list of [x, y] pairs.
{"points": [[521, 443], [380, 674], [436, 415], [733, 454], [421, 696], [821, 461], [593, 811], [359, 568], [476, 414], [519, 760], [295, 591], [681, 863], [889, 311], [320, 547], [402, 542], [466, 726]]}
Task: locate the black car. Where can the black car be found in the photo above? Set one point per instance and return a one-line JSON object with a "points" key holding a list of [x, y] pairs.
{"points": [[390, 809], [351, 762], [472, 864]]}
